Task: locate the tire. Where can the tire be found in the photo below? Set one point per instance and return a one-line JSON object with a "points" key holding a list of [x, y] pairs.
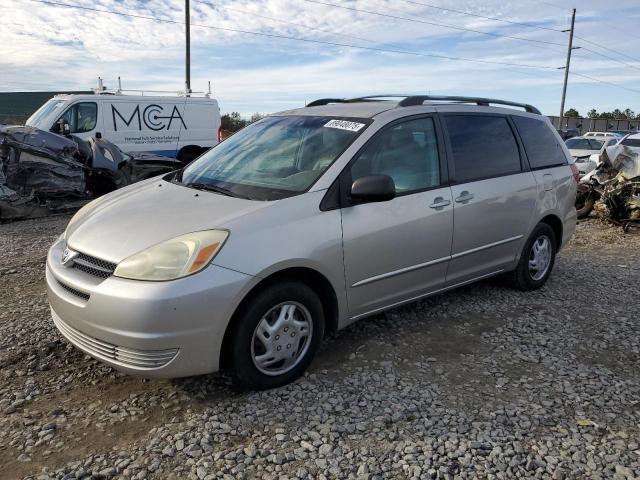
{"points": [[584, 204], [250, 359], [524, 277]]}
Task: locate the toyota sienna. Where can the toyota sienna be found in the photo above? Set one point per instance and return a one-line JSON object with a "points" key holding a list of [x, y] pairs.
{"points": [[305, 222]]}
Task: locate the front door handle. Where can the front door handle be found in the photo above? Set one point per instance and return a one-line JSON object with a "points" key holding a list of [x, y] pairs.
{"points": [[439, 202], [464, 197]]}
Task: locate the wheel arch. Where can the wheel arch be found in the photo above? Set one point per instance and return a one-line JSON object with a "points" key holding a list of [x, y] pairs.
{"points": [[308, 276], [556, 225]]}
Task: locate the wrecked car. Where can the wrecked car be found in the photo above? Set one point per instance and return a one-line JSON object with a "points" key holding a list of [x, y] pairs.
{"points": [[43, 172], [612, 190]]}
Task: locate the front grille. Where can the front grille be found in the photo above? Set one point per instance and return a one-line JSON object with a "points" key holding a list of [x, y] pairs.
{"points": [[73, 291], [128, 357], [93, 266]]}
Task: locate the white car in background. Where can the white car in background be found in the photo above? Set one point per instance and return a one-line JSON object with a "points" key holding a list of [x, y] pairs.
{"points": [[586, 150], [603, 134], [632, 141]]}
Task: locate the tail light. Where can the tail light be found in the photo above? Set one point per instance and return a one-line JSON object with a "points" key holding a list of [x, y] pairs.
{"points": [[219, 134], [575, 171]]}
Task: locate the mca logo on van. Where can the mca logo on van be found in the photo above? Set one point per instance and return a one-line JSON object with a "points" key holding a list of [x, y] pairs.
{"points": [[152, 116]]}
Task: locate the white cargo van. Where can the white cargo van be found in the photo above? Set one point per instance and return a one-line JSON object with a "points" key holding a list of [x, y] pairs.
{"points": [[174, 126]]}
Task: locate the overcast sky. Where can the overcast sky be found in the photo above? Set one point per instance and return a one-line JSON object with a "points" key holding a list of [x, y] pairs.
{"points": [[46, 47]]}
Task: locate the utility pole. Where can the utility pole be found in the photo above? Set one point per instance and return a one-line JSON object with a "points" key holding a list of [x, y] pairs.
{"points": [[566, 68], [187, 22]]}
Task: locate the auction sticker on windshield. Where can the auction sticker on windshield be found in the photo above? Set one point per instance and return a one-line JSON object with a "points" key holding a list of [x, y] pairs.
{"points": [[344, 125]]}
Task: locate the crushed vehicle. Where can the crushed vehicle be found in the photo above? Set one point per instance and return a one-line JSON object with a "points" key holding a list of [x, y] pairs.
{"points": [[42, 172], [612, 190], [586, 151]]}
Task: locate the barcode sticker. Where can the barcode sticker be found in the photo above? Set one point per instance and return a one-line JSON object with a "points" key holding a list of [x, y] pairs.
{"points": [[345, 125]]}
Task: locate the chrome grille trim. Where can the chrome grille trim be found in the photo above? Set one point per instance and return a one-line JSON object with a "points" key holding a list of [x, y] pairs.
{"points": [[93, 266], [128, 357]]}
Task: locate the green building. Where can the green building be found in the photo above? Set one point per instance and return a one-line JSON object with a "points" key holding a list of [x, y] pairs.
{"points": [[16, 107]]}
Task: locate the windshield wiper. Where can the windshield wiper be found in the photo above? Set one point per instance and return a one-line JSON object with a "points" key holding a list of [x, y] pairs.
{"points": [[216, 189]]}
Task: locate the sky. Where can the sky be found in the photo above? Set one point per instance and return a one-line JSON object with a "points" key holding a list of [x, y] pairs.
{"points": [[55, 47]]}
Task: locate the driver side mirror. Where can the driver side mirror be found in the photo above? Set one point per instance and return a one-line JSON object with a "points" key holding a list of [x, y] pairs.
{"points": [[373, 188], [61, 127]]}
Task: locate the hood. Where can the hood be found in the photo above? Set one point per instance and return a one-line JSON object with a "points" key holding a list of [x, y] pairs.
{"points": [[137, 217]]}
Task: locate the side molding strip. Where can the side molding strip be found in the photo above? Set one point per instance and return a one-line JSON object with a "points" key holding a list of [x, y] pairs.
{"points": [[434, 262]]}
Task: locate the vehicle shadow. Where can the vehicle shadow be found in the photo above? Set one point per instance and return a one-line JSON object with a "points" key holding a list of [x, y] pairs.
{"points": [[370, 339]]}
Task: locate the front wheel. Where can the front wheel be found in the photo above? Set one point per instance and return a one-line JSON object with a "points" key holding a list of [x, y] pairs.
{"points": [[536, 260], [276, 335]]}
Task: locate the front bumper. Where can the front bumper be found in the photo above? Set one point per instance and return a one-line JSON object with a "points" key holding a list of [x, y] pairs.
{"points": [[151, 329]]}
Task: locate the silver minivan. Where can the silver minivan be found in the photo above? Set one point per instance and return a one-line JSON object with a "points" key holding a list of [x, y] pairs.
{"points": [[305, 222]]}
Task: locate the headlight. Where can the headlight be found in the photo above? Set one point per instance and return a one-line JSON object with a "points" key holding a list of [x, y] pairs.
{"points": [[175, 258]]}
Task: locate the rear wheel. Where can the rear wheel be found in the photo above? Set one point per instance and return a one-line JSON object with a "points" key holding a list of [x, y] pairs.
{"points": [[536, 260], [276, 335]]}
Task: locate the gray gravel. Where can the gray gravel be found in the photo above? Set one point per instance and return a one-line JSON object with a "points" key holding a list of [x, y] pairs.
{"points": [[483, 382]]}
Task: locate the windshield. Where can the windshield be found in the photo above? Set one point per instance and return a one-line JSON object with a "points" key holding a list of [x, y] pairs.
{"points": [[43, 112], [274, 158], [584, 144], [631, 142]]}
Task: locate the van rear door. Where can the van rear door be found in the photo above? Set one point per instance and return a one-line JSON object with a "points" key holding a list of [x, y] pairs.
{"points": [[202, 120]]}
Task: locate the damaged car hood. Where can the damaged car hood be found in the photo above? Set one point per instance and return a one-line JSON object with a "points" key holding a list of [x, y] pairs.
{"points": [[137, 217]]}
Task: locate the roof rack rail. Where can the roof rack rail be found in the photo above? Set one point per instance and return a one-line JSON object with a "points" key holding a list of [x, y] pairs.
{"points": [[368, 98], [420, 99], [326, 101]]}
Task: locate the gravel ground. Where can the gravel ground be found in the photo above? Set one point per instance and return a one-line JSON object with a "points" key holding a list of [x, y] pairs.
{"points": [[483, 382]]}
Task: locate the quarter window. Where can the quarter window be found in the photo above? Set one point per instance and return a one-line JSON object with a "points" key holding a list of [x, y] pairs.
{"points": [[542, 146], [483, 147], [81, 117], [407, 152]]}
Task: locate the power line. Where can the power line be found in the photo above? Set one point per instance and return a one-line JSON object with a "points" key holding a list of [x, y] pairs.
{"points": [[299, 39], [589, 41], [470, 14], [626, 32], [605, 82], [608, 57], [346, 35], [427, 22], [608, 49]]}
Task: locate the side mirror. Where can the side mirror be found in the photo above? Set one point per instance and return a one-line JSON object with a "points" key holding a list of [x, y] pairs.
{"points": [[62, 127], [98, 135], [373, 188]]}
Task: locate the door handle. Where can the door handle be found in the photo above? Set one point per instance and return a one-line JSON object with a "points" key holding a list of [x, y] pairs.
{"points": [[439, 202], [464, 197]]}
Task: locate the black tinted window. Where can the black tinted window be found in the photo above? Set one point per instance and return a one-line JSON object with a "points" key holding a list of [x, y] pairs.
{"points": [[541, 145], [483, 146], [631, 142], [407, 152]]}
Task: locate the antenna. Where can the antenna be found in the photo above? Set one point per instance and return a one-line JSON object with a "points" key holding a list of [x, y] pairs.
{"points": [[119, 85], [209, 91]]}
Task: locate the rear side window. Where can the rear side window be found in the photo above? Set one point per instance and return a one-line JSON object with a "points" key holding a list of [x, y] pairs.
{"points": [[541, 145], [483, 147]]}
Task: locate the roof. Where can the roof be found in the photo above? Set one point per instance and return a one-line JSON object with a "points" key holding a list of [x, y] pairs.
{"points": [[356, 110]]}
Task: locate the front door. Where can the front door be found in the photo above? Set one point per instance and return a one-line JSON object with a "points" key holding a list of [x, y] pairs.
{"points": [[399, 249]]}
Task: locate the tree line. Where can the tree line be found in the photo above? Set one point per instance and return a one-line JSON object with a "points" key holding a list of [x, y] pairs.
{"points": [[617, 114], [232, 122]]}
